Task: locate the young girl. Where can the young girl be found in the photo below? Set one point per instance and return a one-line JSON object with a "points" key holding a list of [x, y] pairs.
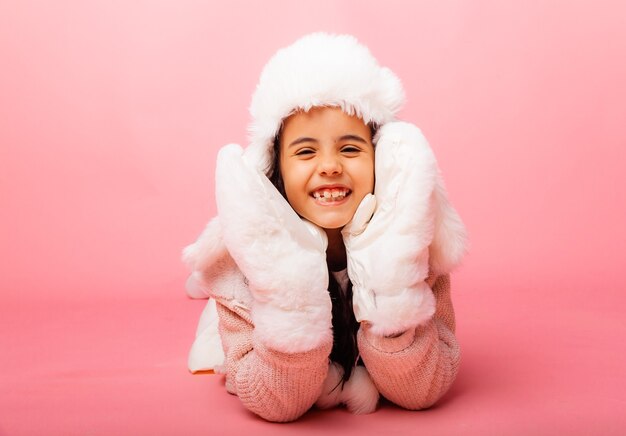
{"points": [[328, 263]]}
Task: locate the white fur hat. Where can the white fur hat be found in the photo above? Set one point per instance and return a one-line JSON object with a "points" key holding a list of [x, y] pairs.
{"points": [[320, 69]]}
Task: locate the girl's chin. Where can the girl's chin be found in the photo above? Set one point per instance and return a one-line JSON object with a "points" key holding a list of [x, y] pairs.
{"points": [[332, 218], [330, 224], [332, 228]]}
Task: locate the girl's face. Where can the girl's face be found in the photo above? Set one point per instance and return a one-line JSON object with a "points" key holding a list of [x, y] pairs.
{"points": [[327, 165]]}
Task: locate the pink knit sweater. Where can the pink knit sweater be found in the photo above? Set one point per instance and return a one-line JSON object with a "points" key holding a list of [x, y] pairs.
{"points": [[412, 370]]}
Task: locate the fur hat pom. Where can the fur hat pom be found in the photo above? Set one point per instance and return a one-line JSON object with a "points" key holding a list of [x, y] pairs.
{"points": [[321, 69]]}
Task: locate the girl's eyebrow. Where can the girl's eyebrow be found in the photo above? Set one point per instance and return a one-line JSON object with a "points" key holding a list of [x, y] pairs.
{"points": [[343, 138], [301, 140], [352, 138]]}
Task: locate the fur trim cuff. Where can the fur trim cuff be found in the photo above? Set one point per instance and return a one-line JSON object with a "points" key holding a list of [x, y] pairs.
{"points": [[292, 331], [403, 311]]}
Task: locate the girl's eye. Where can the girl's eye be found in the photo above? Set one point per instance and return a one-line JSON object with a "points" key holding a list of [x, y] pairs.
{"points": [[350, 149], [304, 152]]}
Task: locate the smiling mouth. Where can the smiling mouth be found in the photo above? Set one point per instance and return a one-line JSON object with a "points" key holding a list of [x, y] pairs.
{"points": [[329, 196]]}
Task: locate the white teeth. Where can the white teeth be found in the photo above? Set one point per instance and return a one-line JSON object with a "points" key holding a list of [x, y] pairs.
{"points": [[328, 195]]}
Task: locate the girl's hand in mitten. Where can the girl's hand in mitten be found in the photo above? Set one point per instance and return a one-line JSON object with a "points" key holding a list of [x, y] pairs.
{"points": [[282, 256], [388, 256]]}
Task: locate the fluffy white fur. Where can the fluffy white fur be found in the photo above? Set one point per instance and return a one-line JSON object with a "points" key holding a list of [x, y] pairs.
{"points": [[221, 277], [321, 69], [291, 330], [450, 239], [207, 249], [359, 393]]}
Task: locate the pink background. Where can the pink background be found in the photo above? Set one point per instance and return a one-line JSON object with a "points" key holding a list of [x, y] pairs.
{"points": [[111, 114]]}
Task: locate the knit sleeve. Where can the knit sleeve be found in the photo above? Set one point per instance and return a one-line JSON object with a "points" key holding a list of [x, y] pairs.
{"points": [[415, 369], [277, 386]]}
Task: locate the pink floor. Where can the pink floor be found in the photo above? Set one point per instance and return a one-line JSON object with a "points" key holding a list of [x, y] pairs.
{"points": [[119, 367]]}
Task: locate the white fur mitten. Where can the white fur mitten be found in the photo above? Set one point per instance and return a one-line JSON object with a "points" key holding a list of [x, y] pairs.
{"points": [[282, 256], [388, 255]]}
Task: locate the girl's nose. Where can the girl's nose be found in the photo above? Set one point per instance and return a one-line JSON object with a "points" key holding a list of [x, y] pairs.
{"points": [[329, 165]]}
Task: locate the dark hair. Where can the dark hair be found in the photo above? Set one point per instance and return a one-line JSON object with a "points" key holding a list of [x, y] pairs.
{"points": [[274, 172], [345, 326]]}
